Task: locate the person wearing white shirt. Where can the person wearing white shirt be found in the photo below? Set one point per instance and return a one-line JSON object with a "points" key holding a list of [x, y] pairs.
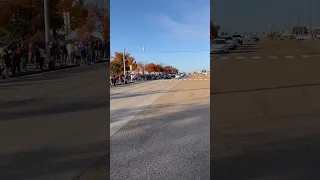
{"points": [[69, 49]]}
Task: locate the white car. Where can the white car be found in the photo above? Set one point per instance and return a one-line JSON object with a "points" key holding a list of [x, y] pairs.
{"points": [[238, 38], [178, 76], [219, 46], [231, 41]]}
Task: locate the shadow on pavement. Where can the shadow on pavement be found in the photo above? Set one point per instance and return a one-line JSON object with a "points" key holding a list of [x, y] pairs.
{"points": [[166, 139], [295, 158], [48, 162], [21, 84], [47, 107], [129, 95]]}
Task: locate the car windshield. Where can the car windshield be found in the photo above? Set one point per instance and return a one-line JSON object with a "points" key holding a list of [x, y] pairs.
{"points": [[236, 36], [219, 41]]}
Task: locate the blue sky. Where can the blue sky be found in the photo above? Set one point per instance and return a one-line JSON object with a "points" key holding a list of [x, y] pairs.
{"points": [[174, 32]]}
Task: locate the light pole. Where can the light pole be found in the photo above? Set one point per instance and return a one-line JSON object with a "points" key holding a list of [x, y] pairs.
{"points": [[310, 22], [144, 59], [124, 61], [298, 11], [47, 29]]}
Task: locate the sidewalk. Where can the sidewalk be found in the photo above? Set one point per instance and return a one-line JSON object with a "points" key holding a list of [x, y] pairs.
{"points": [[131, 82], [58, 67]]}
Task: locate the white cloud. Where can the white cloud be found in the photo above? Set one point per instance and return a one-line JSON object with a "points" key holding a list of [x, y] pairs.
{"points": [[194, 20]]}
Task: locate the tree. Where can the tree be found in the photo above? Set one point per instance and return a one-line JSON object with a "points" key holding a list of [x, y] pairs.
{"points": [[170, 69], [140, 67], [24, 18], [101, 14], [118, 59], [115, 67], [20, 17], [79, 17], [150, 67], [213, 30]]}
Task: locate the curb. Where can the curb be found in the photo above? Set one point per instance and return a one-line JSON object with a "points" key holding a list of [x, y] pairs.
{"points": [[48, 70]]}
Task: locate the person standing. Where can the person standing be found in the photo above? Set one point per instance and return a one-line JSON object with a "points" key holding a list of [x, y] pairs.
{"points": [[89, 53], [96, 51], [24, 57], [7, 62], [31, 54], [77, 54], [16, 60], [37, 56], [42, 58], [65, 54], [69, 50], [84, 53]]}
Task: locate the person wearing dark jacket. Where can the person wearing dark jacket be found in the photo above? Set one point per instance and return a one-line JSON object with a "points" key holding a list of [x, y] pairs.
{"points": [[37, 56], [16, 61]]}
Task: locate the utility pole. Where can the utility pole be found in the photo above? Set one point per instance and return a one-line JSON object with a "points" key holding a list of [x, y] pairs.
{"points": [[47, 28], [124, 61], [289, 26], [144, 59], [298, 21], [310, 22]]}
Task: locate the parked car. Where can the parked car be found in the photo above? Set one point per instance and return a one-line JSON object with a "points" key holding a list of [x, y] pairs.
{"points": [[219, 46], [238, 38], [231, 41], [178, 76], [167, 76]]}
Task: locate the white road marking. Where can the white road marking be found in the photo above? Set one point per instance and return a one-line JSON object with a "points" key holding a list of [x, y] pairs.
{"points": [[224, 58], [256, 57], [239, 57], [305, 56], [272, 57], [290, 57]]}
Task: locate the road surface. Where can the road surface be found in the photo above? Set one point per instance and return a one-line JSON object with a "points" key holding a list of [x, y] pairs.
{"points": [[160, 130], [265, 113], [55, 125]]}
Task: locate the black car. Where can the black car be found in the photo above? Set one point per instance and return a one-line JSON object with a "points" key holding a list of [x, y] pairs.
{"points": [[167, 76]]}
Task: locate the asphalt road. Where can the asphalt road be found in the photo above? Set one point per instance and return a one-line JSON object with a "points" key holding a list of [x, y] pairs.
{"points": [[265, 113], [166, 132], [55, 125]]}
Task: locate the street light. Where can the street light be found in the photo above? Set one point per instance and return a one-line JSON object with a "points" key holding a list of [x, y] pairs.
{"points": [[124, 61], [47, 29], [144, 59]]}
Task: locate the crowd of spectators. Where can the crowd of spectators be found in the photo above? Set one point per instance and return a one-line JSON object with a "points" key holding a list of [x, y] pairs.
{"points": [[17, 57]]}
